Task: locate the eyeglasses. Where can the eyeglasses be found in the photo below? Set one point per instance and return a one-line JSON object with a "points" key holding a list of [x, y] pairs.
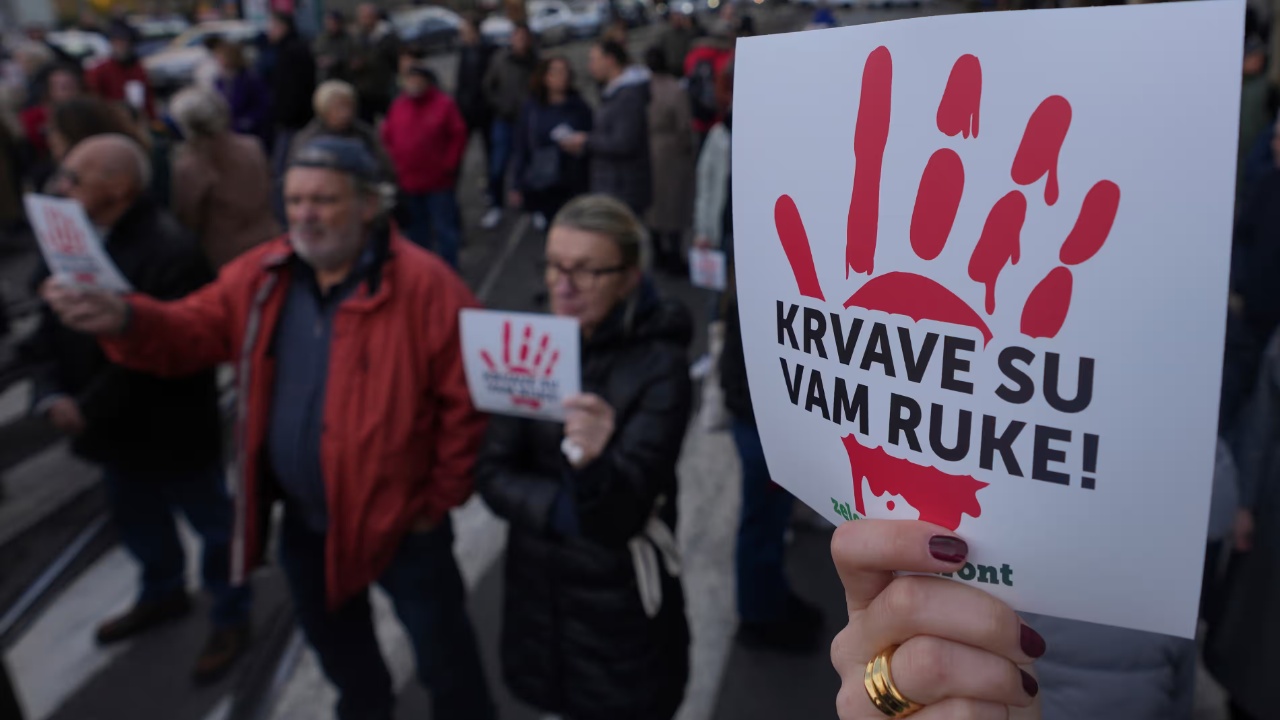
{"points": [[581, 278]]}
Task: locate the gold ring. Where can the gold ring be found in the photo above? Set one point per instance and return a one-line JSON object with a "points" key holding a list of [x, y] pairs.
{"points": [[883, 693]]}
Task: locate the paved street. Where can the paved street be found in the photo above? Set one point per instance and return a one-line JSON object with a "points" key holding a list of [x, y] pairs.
{"points": [[61, 674]]}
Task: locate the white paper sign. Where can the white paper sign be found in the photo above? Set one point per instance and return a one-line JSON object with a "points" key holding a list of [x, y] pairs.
{"points": [[135, 94], [521, 363], [70, 245], [707, 268], [982, 263]]}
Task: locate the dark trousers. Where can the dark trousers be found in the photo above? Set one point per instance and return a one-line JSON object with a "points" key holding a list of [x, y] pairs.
{"points": [[434, 215], [426, 588], [9, 708], [143, 504], [762, 528], [500, 141], [1239, 713]]}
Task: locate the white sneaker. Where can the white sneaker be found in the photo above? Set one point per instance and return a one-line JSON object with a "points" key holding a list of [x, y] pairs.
{"points": [[539, 222], [491, 218]]}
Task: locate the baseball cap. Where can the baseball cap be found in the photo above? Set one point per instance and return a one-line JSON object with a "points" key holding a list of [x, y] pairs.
{"points": [[344, 155]]}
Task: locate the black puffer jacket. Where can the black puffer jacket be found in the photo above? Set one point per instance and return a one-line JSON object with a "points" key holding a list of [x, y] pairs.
{"points": [[575, 636], [134, 420]]}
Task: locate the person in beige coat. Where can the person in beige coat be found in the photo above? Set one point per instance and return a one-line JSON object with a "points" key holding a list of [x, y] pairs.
{"points": [[221, 181], [671, 152]]}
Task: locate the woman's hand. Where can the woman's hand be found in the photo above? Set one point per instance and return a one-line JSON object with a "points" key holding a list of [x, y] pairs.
{"points": [[588, 424], [959, 648]]}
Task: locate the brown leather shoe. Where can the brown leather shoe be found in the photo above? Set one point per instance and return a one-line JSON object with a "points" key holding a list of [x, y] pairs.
{"points": [[224, 647], [143, 617]]}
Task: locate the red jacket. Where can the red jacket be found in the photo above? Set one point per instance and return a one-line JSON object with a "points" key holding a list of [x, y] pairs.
{"points": [[401, 435], [719, 57], [425, 138], [107, 80]]}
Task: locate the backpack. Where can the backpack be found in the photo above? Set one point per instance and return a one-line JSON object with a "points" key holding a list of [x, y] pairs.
{"points": [[702, 91]]}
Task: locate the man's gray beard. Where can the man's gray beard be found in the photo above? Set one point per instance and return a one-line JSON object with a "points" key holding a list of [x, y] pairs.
{"points": [[325, 261]]}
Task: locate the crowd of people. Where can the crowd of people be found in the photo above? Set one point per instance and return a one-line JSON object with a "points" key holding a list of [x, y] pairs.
{"points": [[293, 214]]}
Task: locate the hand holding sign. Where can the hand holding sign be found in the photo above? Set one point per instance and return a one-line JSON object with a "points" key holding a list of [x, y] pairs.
{"points": [[87, 310], [589, 425], [945, 660], [973, 331]]}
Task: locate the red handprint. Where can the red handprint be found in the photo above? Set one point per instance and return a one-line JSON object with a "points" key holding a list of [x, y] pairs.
{"points": [[940, 497], [540, 365], [63, 233]]}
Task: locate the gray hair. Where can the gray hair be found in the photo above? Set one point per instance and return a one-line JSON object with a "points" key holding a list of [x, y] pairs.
{"points": [[611, 218], [200, 112], [329, 91]]}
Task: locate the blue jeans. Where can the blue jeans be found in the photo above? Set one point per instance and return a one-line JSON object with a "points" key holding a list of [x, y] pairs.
{"points": [[434, 213], [142, 503], [501, 136], [426, 588], [766, 512]]}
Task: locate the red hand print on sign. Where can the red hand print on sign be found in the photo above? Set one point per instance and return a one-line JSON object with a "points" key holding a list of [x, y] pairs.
{"points": [[940, 497], [529, 360], [63, 233]]}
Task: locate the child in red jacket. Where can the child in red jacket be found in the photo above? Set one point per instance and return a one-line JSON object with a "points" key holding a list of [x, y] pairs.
{"points": [[425, 136]]}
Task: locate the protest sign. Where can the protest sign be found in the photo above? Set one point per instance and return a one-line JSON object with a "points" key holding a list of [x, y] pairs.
{"points": [[707, 268], [70, 245], [982, 273], [521, 363]]}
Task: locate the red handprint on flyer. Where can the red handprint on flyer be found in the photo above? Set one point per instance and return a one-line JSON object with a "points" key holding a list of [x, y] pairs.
{"points": [[520, 363], [964, 268], [69, 244]]}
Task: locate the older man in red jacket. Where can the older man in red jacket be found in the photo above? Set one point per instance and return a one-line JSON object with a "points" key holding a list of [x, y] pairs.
{"points": [[425, 136], [353, 411]]}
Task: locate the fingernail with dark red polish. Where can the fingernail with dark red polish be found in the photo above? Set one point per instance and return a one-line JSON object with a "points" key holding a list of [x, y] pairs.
{"points": [[948, 549], [1032, 644], [1029, 683]]}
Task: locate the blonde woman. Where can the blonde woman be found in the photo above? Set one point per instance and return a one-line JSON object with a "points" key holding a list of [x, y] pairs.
{"points": [[593, 620]]}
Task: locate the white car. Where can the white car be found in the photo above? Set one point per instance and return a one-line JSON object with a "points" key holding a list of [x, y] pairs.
{"points": [[87, 47], [588, 19], [174, 66], [549, 20], [427, 27]]}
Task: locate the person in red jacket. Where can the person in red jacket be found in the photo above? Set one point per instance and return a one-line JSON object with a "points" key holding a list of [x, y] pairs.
{"points": [[425, 136], [353, 410], [121, 77]]}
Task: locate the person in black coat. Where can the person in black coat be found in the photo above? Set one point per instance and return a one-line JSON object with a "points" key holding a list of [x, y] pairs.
{"points": [[555, 104], [158, 440], [593, 619], [290, 72], [618, 145], [474, 55]]}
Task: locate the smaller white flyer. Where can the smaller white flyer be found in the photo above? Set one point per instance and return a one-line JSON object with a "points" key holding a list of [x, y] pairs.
{"points": [[707, 268], [521, 364], [70, 245]]}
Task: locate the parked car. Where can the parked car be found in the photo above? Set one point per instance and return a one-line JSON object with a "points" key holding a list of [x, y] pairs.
{"points": [[587, 19], [154, 33], [548, 19], [174, 66], [87, 47], [634, 12], [428, 27]]}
